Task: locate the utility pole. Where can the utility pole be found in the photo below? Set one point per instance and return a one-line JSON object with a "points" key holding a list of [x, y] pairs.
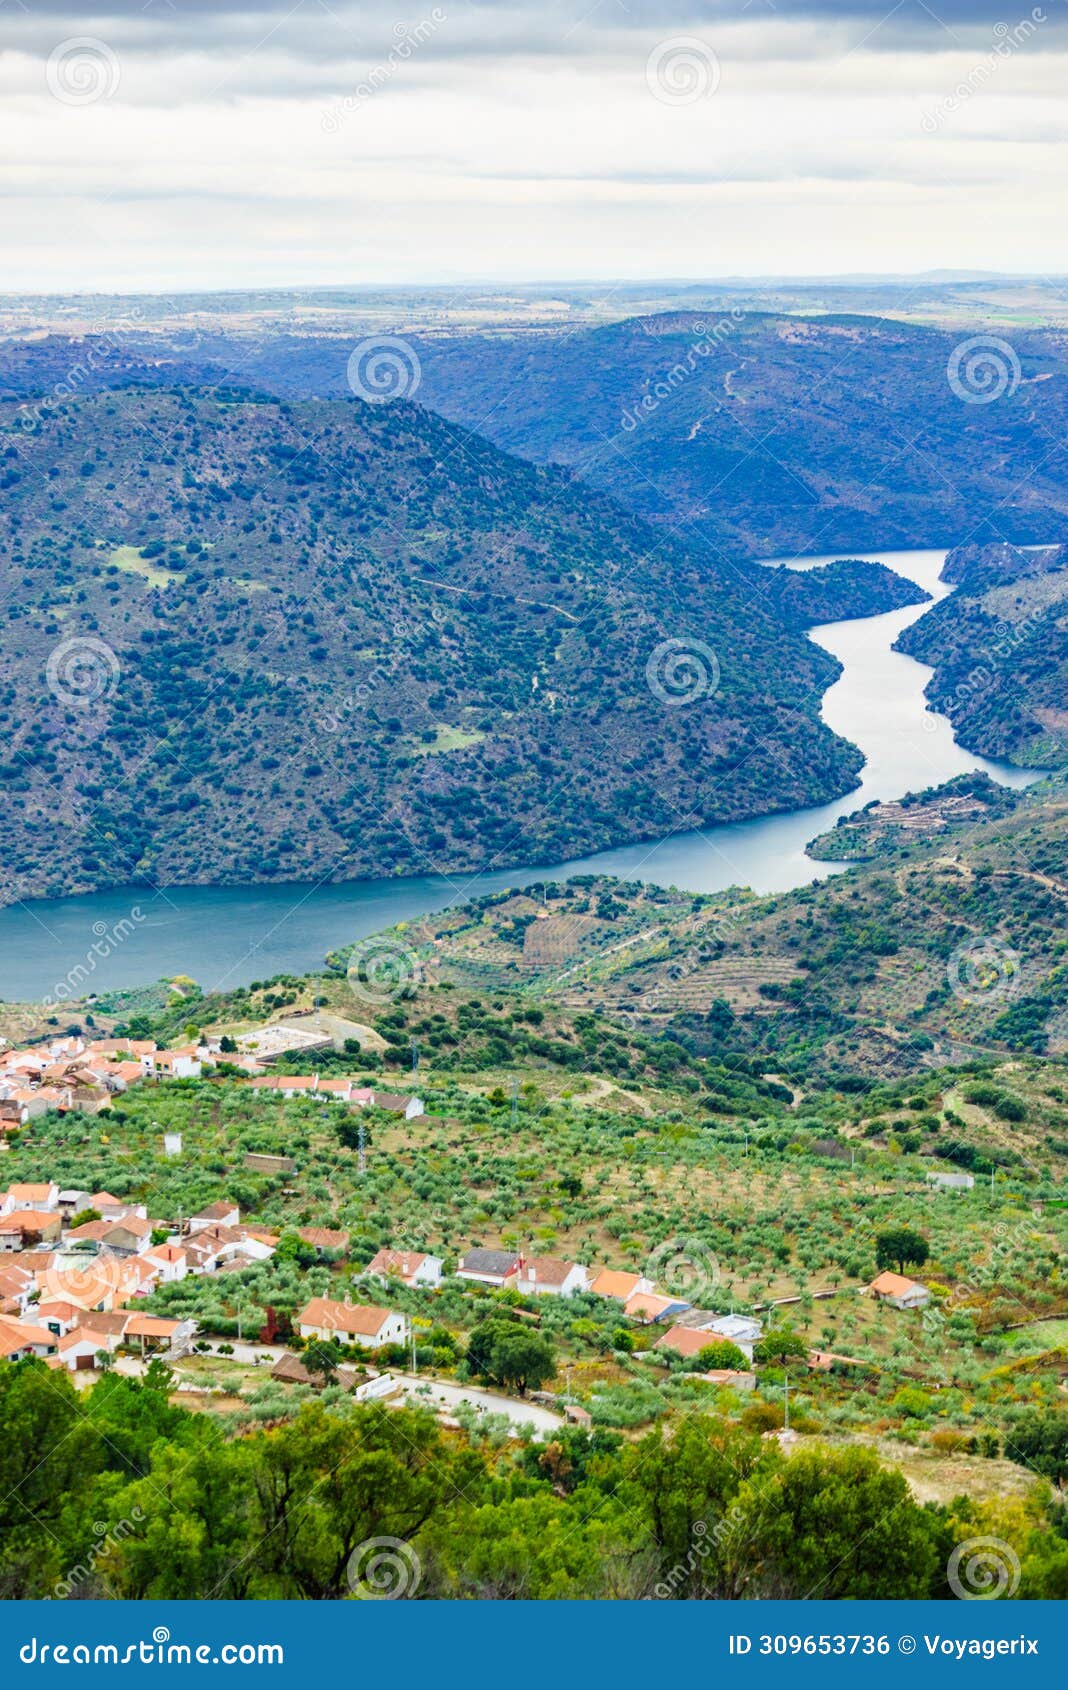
{"points": [[515, 1099], [786, 1391], [415, 1056], [361, 1160], [415, 1362]]}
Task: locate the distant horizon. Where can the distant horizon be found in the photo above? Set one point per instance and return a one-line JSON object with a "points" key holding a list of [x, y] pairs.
{"points": [[936, 277]]}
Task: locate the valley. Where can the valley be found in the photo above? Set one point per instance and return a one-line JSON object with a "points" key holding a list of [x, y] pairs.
{"points": [[509, 995]]}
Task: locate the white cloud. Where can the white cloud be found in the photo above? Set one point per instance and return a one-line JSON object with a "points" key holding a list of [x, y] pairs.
{"points": [[239, 149]]}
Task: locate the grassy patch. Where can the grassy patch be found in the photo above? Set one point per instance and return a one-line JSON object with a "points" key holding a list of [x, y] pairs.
{"points": [[445, 739], [129, 560]]}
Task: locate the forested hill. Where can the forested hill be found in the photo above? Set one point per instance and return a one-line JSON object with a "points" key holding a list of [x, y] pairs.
{"points": [[251, 639], [999, 649], [761, 434], [781, 433]]}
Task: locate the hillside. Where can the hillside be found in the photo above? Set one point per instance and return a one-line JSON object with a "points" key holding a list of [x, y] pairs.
{"points": [[761, 433], [882, 829], [252, 640], [999, 649], [947, 948]]}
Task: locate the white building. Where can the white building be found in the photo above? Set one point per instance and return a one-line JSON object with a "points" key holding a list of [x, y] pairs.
{"points": [[411, 1266], [549, 1276], [324, 1319]]}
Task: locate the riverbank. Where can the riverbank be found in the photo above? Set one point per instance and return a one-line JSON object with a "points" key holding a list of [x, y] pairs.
{"points": [[231, 935]]}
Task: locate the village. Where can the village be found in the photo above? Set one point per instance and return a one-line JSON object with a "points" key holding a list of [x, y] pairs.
{"points": [[77, 1266]]}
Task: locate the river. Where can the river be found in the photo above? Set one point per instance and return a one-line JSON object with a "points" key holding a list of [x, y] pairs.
{"points": [[229, 935]]}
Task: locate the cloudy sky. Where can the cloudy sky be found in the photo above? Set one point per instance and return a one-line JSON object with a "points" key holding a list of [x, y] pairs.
{"points": [[181, 143]]}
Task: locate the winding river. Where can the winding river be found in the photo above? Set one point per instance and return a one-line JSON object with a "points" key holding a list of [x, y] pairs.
{"points": [[228, 935]]}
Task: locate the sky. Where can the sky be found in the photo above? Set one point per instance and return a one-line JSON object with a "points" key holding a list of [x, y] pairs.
{"points": [[175, 144]]}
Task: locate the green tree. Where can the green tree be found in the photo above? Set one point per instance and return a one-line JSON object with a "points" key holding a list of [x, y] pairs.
{"points": [[831, 1524], [900, 1247], [507, 1353], [1040, 1440], [523, 1359], [321, 1358], [682, 1484], [479, 1355], [780, 1345], [158, 1377], [719, 1354]]}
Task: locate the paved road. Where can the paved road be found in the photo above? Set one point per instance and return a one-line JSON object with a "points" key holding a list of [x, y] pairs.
{"points": [[446, 1395]]}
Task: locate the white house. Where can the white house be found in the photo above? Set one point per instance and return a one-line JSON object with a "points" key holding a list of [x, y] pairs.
{"points": [[549, 1276], [172, 1064], [411, 1266], [899, 1292], [322, 1318], [77, 1350], [743, 1330], [620, 1286], [951, 1182], [488, 1267], [57, 1315], [19, 1340], [170, 1261], [73, 1202], [398, 1103], [223, 1213], [43, 1197]]}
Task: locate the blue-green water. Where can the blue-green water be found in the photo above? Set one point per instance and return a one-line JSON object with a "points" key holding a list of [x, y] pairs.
{"points": [[228, 935]]}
